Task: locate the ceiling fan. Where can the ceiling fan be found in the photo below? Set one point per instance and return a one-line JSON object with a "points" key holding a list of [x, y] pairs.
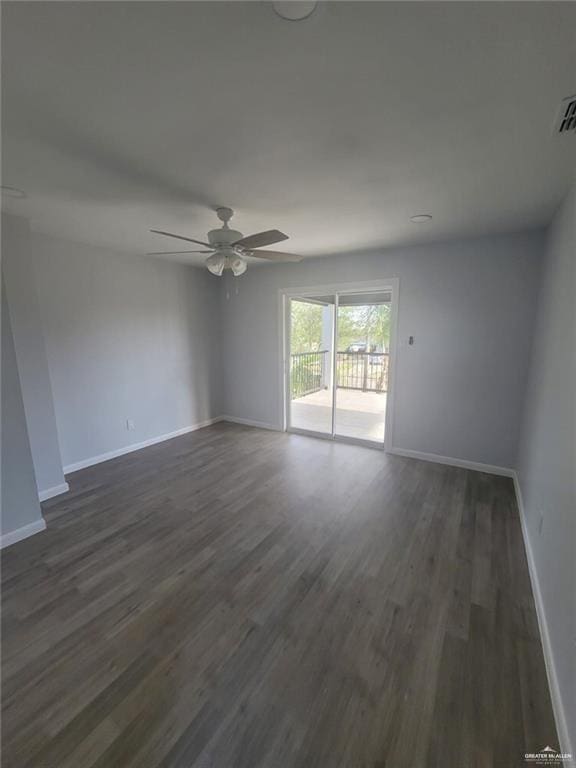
{"points": [[229, 248]]}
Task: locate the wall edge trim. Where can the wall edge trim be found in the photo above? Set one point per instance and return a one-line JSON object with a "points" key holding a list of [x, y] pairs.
{"points": [[478, 466], [553, 686], [56, 490], [251, 423], [89, 462], [22, 533]]}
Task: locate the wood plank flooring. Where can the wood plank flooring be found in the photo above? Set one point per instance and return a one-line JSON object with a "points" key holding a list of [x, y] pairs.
{"points": [[243, 598]]}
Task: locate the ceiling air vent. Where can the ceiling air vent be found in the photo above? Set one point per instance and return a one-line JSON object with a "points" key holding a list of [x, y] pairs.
{"points": [[567, 115]]}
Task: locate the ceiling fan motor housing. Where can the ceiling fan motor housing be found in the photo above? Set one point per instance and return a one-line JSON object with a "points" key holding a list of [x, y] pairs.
{"points": [[223, 236]]}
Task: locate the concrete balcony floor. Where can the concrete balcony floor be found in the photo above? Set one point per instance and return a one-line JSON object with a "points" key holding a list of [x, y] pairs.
{"points": [[358, 414]]}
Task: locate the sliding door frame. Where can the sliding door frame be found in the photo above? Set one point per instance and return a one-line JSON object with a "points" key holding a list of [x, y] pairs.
{"points": [[285, 295]]}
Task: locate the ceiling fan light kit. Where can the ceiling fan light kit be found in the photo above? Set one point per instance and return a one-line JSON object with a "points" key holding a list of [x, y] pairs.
{"points": [[229, 248], [218, 262]]}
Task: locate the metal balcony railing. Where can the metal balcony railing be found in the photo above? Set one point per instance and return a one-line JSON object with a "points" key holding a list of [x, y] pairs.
{"points": [[364, 371], [308, 373], [367, 371]]}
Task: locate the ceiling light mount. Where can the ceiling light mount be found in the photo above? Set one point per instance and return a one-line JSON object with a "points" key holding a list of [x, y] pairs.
{"points": [[224, 214], [294, 10], [421, 218]]}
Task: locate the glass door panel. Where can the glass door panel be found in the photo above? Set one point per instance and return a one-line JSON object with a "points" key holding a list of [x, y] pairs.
{"points": [[311, 322], [362, 356]]}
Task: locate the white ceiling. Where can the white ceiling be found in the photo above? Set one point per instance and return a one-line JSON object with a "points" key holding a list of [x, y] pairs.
{"points": [[120, 117]]}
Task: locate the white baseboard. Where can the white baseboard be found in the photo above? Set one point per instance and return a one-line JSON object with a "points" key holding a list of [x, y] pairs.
{"points": [[557, 706], [250, 423], [56, 490], [490, 469], [136, 446], [22, 533]]}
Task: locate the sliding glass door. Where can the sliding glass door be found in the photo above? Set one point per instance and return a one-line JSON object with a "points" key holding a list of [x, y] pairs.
{"points": [[311, 363], [338, 364], [362, 355]]}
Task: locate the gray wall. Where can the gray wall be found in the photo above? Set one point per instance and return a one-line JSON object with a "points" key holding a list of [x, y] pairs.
{"points": [[20, 504], [470, 307], [18, 271], [126, 338], [547, 459]]}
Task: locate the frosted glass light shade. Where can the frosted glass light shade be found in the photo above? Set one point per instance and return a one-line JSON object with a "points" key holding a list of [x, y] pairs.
{"points": [[215, 264], [238, 265]]}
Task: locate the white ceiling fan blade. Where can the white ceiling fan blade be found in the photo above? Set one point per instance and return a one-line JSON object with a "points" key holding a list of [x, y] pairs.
{"points": [[180, 237], [260, 239], [276, 255], [173, 253]]}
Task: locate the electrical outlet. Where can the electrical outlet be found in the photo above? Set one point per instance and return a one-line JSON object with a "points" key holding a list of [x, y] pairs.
{"points": [[540, 523], [130, 425]]}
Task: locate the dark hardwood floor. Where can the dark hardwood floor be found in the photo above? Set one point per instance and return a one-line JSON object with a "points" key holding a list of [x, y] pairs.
{"points": [[236, 597]]}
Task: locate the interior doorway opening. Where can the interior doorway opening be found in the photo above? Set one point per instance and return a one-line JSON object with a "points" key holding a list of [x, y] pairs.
{"points": [[338, 366]]}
